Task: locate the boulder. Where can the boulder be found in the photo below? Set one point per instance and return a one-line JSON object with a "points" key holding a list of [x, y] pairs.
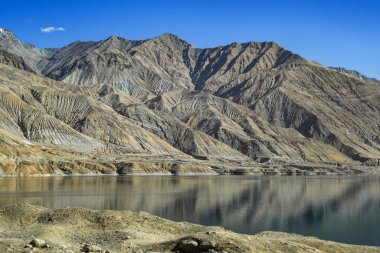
{"points": [[38, 243], [207, 245]]}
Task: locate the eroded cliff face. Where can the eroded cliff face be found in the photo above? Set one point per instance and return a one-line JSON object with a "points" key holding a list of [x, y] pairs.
{"points": [[163, 97], [242, 129]]}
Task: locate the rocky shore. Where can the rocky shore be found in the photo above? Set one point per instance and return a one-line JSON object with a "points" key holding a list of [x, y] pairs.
{"points": [[27, 228], [64, 163]]}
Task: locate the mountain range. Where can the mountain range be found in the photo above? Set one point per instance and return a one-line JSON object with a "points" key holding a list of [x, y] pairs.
{"points": [[122, 106]]}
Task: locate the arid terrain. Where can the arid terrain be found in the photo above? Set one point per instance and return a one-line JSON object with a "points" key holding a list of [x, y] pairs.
{"points": [[75, 229], [160, 105], [190, 126]]}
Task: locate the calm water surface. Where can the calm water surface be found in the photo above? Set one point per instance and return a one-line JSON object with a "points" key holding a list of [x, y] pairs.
{"points": [[345, 209]]}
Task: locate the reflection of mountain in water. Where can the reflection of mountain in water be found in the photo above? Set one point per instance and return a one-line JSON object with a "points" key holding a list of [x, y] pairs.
{"points": [[337, 208]]}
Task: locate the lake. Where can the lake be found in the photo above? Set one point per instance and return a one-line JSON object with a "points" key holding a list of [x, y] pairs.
{"points": [[338, 208]]}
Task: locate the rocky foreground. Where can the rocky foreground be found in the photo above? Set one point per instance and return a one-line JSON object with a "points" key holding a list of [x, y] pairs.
{"points": [[26, 228]]}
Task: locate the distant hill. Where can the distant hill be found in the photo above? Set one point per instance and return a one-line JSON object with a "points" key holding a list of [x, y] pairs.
{"points": [[354, 73]]}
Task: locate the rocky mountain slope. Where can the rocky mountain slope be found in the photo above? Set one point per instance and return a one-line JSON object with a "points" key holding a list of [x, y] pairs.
{"points": [[14, 61], [30, 54], [243, 103]]}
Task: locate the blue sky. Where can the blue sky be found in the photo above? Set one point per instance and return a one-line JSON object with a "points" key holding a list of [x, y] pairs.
{"points": [[333, 32]]}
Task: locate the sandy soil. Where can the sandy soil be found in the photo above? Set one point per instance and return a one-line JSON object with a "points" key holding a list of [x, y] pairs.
{"points": [[68, 229]]}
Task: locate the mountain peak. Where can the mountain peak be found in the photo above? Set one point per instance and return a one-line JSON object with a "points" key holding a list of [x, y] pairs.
{"points": [[3, 30], [30, 54], [114, 37], [7, 33], [169, 35], [173, 39], [9, 37]]}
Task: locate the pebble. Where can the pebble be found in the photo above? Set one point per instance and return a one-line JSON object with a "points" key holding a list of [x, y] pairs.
{"points": [[88, 248]]}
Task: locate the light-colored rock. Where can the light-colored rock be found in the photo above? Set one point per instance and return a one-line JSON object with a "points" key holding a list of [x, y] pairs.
{"points": [[38, 243], [188, 245]]}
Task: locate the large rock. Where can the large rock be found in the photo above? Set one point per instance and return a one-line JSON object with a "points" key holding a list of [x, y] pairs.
{"points": [[188, 245], [207, 245]]}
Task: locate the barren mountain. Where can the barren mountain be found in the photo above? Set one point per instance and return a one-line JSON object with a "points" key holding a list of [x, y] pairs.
{"points": [[162, 97]]}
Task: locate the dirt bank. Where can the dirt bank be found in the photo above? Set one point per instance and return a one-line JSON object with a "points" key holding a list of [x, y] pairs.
{"points": [[69, 229]]}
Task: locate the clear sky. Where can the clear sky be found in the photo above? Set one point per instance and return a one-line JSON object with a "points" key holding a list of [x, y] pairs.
{"points": [[333, 32]]}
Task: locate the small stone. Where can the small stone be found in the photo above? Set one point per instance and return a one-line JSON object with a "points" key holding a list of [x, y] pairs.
{"points": [[87, 248], [11, 247]]}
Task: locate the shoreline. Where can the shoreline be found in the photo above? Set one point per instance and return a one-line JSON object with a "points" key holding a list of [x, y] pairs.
{"points": [[376, 172], [68, 229], [134, 165]]}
